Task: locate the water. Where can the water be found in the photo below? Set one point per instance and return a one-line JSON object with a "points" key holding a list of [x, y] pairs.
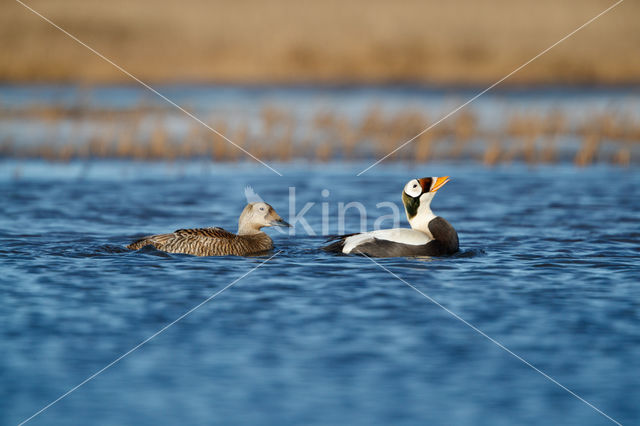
{"points": [[549, 268]]}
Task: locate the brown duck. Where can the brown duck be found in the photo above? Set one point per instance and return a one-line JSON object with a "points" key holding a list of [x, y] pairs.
{"points": [[218, 242]]}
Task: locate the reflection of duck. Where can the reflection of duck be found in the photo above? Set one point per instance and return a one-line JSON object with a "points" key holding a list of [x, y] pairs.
{"points": [[430, 235], [218, 242]]}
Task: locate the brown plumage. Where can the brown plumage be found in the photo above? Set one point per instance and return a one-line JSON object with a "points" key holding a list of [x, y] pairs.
{"points": [[218, 242]]}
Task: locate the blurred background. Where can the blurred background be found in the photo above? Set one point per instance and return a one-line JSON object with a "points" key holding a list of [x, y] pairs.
{"points": [[287, 41], [545, 195], [321, 80]]}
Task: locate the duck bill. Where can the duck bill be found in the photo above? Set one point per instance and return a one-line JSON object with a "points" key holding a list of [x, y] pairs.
{"points": [[439, 183], [280, 222]]}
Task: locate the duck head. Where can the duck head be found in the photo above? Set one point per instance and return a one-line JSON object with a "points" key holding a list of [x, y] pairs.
{"points": [[417, 196], [258, 215]]}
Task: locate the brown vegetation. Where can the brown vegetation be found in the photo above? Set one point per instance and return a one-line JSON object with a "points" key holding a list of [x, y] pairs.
{"points": [[459, 41], [143, 133]]}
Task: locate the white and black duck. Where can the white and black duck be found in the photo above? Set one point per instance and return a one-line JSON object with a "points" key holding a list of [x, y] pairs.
{"points": [[430, 235]]}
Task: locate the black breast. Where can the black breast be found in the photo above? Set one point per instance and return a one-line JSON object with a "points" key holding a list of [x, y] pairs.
{"points": [[445, 238]]}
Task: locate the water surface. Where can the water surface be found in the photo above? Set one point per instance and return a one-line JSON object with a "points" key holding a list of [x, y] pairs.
{"points": [[548, 267]]}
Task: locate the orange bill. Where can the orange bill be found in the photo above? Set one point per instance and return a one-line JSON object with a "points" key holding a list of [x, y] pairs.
{"points": [[439, 183]]}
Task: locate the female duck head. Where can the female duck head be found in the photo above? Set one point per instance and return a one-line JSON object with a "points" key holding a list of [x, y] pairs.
{"points": [[256, 216]]}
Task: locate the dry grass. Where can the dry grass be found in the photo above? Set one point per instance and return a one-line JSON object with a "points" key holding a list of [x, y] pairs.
{"points": [[142, 133], [459, 41]]}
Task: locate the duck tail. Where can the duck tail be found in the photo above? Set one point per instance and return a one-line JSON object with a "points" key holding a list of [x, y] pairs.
{"points": [[338, 243], [138, 244], [334, 247]]}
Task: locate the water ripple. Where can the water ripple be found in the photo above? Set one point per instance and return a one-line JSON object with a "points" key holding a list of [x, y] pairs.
{"points": [[548, 266]]}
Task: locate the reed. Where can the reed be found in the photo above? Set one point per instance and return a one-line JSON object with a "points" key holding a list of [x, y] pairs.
{"points": [[492, 152], [144, 133], [587, 153]]}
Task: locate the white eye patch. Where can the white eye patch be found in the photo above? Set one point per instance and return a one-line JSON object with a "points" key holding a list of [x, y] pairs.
{"points": [[413, 188]]}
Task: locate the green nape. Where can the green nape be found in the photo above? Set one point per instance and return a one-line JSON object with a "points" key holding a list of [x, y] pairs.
{"points": [[410, 204]]}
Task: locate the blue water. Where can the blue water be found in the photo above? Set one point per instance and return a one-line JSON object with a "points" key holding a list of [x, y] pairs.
{"points": [[549, 267]]}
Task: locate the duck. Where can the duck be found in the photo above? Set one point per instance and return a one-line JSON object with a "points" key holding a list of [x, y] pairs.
{"points": [[430, 235], [250, 238]]}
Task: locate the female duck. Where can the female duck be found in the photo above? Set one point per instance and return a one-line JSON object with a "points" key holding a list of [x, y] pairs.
{"points": [[216, 241]]}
